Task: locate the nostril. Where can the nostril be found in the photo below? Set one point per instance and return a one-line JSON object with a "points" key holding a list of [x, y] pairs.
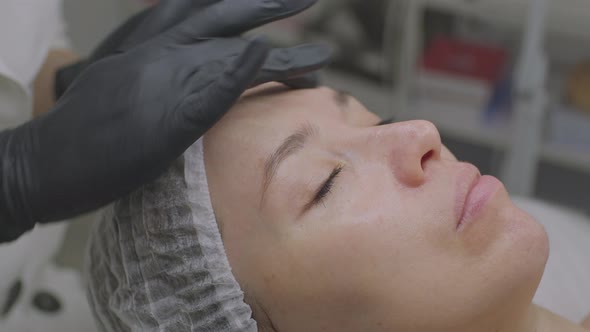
{"points": [[426, 157], [46, 302]]}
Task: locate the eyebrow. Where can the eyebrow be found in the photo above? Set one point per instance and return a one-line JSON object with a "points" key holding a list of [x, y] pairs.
{"points": [[290, 146], [296, 142]]}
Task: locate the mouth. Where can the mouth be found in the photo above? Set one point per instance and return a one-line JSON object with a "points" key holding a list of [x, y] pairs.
{"points": [[467, 180], [474, 191]]}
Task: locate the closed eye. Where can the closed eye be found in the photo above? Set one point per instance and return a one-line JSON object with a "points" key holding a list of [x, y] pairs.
{"points": [[325, 188]]}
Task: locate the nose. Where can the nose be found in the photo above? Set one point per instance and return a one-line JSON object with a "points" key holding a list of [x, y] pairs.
{"points": [[409, 148]]}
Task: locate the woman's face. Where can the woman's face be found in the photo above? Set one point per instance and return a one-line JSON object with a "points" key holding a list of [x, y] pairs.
{"points": [[332, 223]]}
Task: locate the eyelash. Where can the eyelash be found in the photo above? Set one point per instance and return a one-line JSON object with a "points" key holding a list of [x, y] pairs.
{"points": [[326, 187]]}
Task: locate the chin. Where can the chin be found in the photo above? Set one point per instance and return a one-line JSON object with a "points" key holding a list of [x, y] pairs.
{"points": [[518, 263], [529, 250]]}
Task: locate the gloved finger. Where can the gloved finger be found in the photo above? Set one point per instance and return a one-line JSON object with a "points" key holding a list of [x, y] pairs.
{"points": [[287, 63], [208, 104], [158, 19], [306, 81], [233, 17]]}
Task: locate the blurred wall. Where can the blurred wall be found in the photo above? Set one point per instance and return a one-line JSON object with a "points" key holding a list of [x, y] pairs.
{"points": [[90, 20]]}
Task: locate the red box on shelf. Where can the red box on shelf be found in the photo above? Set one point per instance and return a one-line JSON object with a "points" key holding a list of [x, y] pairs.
{"points": [[463, 58]]}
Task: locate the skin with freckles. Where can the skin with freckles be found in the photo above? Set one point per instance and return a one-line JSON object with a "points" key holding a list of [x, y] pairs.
{"points": [[331, 223]]}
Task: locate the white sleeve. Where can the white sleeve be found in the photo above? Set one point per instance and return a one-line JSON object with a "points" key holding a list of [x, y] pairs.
{"points": [[28, 29], [15, 104]]}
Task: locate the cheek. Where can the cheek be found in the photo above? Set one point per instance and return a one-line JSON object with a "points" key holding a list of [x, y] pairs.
{"points": [[337, 267], [398, 250], [420, 216], [315, 275], [368, 260], [364, 240]]}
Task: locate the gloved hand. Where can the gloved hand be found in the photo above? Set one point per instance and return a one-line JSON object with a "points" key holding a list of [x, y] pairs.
{"points": [[154, 20], [127, 117]]}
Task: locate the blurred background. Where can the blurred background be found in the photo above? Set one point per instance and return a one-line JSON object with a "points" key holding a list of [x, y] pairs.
{"points": [[507, 82]]}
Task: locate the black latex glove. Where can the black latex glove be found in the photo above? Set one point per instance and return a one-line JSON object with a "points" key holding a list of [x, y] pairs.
{"points": [[127, 117], [154, 20]]}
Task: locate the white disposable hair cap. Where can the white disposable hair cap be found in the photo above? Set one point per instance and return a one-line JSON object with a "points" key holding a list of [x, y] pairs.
{"points": [[156, 261]]}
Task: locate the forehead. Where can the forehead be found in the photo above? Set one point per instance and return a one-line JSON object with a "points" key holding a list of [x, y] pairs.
{"points": [[269, 113], [274, 106], [266, 115]]}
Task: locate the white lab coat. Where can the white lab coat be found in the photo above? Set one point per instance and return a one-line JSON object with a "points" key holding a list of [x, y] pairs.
{"points": [[28, 30]]}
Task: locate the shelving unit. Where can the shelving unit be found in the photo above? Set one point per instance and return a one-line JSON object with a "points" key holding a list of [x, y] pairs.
{"points": [[567, 18]]}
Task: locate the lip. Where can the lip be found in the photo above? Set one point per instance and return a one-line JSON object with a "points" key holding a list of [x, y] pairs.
{"points": [[467, 179], [473, 194]]}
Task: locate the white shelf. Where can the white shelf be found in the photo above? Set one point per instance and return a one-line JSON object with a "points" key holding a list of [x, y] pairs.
{"points": [[566, 17]]}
